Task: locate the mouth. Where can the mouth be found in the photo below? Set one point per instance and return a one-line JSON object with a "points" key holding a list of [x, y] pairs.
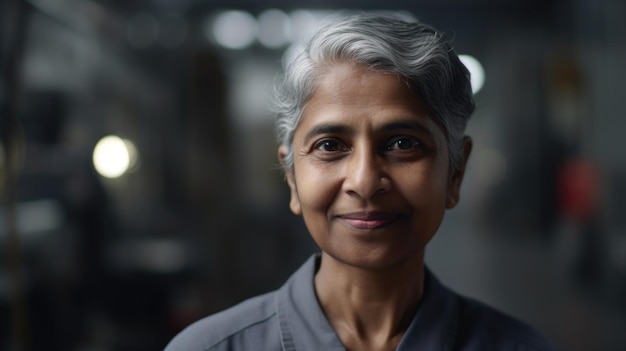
{"points": [[368, 220]]}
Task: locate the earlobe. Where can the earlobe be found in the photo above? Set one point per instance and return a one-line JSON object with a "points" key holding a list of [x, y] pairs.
{"points": [[454, 187], [453, 194], [294, 202]]}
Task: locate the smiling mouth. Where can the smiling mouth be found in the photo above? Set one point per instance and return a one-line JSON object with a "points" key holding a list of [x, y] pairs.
{"points": [[368, 220]]}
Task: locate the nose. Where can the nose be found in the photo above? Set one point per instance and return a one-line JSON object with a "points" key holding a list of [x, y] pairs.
{"points": [[365, 174]]}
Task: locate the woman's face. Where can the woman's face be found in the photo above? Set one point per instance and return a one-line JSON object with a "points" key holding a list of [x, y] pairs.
{"points": [[370, 175]]}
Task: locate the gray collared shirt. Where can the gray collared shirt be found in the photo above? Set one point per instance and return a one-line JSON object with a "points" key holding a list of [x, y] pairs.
{"points": [[292, 319]]}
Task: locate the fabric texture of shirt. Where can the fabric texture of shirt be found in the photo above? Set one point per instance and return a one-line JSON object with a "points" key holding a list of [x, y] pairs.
{"points": [[291, 319]]}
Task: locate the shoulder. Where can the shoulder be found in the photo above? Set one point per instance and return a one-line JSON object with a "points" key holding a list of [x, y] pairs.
{"points": [[247, 323], [480, 324]]}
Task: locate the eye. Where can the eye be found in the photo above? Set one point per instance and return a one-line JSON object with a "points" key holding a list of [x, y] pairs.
{"points": [[404, 143], [329, 145]]}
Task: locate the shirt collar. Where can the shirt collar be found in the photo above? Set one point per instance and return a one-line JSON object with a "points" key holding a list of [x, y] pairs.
{"points": [[303, 325], [434, 325]]}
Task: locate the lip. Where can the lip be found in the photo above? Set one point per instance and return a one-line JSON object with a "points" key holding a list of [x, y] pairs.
{"points": [[367, 220]]}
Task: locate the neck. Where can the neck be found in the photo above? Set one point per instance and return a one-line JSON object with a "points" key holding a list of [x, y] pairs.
{"points": [[369, 309]]}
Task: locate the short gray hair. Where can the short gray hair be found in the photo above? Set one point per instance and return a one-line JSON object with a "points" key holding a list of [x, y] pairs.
{"points": [[412, 50]]}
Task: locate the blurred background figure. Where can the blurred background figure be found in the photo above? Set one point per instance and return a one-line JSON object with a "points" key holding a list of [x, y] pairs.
{"points": [[139, 179]]}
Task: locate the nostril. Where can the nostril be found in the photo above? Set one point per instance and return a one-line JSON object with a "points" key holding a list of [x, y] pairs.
{"points": [[385, 183], [366, 186]]}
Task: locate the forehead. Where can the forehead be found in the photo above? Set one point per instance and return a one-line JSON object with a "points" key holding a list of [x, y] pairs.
{"points": [[340, 83], [348, 93]]}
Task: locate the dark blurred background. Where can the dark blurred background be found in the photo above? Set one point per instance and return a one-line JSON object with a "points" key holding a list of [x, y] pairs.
{"points": [[180, 210]]}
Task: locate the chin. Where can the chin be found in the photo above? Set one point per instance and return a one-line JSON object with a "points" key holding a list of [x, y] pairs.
{"points": [[377, 259]]}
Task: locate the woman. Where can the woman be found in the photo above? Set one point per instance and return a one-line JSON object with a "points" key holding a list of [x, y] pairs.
{"points": [[371, 120]]}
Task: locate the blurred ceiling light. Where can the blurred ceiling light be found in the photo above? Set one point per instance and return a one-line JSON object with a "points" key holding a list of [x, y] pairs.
{"points": [[142, 31], [114, 156], [303, 22], [274, 28], [234, 29], [133, 155], [477, 72]]}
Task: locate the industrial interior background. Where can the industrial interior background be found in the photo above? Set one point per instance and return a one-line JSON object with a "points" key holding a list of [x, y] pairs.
{"points": [[192, 216]]}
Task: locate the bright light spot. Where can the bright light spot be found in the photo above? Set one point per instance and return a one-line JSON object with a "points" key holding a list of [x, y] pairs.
{"points": [[274, 28], [133, 155], [234, 29], [477, 72], [142, 31], [303, 23], [111, 157]]}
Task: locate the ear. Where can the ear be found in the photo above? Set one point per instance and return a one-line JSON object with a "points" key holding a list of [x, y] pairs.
{"points": [[454, 185], [294, 202]]}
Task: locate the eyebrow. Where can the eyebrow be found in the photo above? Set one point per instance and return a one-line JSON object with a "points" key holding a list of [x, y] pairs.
{"points": [[329, 128], [407, 125], [325, 128]]}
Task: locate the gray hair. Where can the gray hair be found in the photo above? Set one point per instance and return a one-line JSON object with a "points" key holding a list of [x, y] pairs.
{"points": [[414, 51]]}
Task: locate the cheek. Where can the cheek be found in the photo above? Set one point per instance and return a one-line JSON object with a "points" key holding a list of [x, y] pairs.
{"points": [[316, 194], [424, 188], [426, 194], [317, 188]]}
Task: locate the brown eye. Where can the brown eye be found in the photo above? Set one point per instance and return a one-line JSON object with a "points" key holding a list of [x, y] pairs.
{"points": [[403, 143], [328, 145]]}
